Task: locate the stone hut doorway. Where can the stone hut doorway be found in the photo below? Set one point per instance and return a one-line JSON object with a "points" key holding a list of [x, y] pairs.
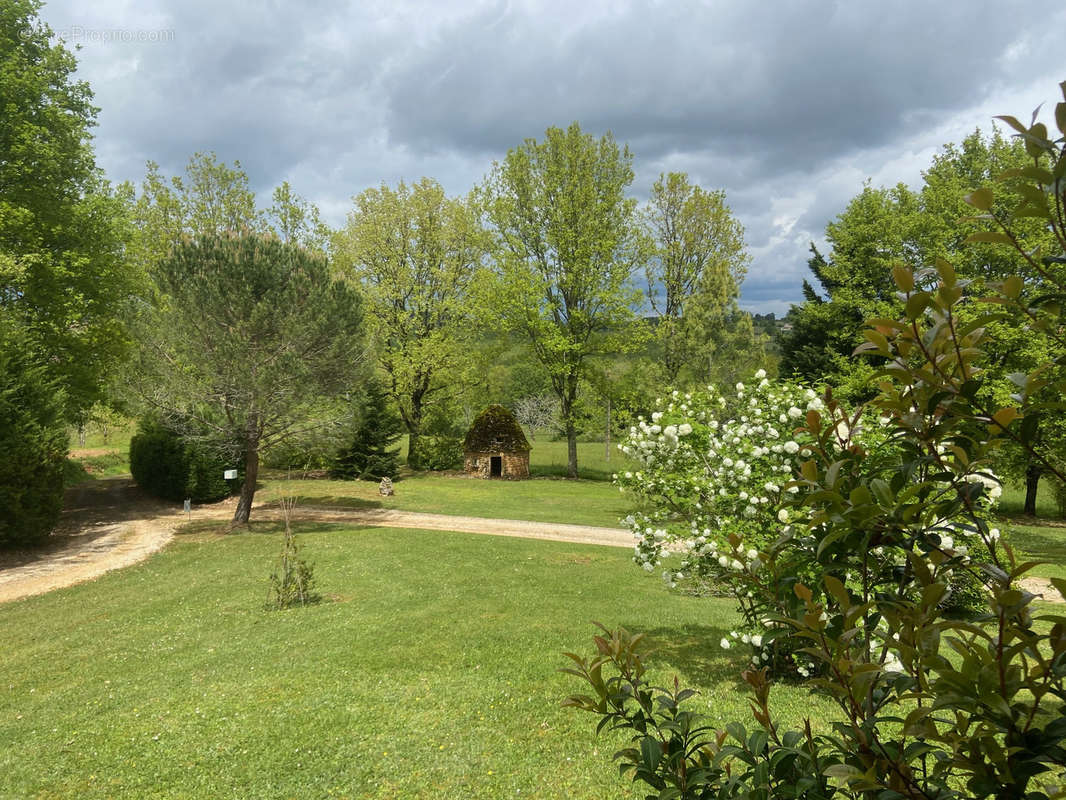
{"points": [[496, 447]]}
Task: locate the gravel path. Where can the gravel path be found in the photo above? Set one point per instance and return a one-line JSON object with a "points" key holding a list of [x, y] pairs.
{"points": [[109, 524]]}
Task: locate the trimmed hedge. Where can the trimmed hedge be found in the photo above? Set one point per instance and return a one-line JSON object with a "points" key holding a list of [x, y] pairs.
{"points": [[172, 468], [33, 441]]}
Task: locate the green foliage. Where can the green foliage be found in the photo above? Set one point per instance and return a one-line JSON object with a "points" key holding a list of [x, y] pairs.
{"points": [[567, 241], [927, 706], [170, 466], [415, 252], [370, 453], [62, 229], [33, 443], [439, 452], [253, 342]]}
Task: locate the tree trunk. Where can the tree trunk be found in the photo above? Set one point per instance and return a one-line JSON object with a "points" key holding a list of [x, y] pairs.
{"points": [[1032, 483], [414, 431], [413, 460], [571, 447], [566, 402], [251, 473]]}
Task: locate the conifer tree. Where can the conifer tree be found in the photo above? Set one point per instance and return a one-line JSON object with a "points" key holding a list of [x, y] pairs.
{"points": [[371, 455]]}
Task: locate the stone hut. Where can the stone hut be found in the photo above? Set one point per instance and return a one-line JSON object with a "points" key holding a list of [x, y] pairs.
{"points": [[495, 446]]}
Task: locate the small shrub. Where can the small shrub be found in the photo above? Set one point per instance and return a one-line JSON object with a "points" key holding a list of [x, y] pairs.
{"points": [[293, 582], [440, 452]]}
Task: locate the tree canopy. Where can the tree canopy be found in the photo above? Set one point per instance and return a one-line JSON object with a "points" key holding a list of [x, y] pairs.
{"points": [[63, 276]]}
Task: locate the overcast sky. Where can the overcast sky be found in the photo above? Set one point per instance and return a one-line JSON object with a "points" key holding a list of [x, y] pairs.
{"points": [[787, 106]]}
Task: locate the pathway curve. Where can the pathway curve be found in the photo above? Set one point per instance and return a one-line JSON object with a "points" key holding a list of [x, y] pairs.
{"points": [[109, 524]]}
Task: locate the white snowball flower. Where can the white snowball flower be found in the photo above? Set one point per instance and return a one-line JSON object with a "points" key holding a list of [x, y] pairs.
{"points": [[760, 374], [684, 429], [725, 643], [756, 640], [795, 413], [782, 515], [791, 447]]}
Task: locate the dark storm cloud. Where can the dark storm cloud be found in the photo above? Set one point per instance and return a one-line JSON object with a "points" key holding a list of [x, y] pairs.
{"points": [[785, 82], [788, 106]]}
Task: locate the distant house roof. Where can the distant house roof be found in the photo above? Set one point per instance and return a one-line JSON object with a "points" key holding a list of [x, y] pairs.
{"points": [[495, 430]]}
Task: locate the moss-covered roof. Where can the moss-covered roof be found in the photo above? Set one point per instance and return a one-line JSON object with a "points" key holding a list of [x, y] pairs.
{"points": [[495, 430]]}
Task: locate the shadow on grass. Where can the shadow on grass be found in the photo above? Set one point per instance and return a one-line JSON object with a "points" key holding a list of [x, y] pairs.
{"points": [[1043, 542], [559, 471], [693, 651], [324, 501]]}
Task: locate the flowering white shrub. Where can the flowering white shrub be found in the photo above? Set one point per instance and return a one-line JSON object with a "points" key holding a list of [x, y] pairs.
{"points": [[717, 484]]}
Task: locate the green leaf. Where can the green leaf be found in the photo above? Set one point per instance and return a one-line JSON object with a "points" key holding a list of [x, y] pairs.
{"points": [[993, 237], [903, 277], [1012, 286], [651, 752], [980, 199]]}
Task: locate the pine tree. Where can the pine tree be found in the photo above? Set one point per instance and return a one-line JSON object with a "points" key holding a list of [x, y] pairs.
{"points": [[369, 456]]}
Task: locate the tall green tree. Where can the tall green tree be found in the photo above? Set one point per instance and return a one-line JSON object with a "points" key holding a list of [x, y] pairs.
{"points": [[253, 341], [694, 272], [414, 252], [882, 227], [63, 230], [370, 453], [212, 198], [567, 242]]}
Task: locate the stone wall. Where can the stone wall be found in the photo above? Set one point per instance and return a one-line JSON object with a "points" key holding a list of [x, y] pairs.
{"points": [[515, 465]]}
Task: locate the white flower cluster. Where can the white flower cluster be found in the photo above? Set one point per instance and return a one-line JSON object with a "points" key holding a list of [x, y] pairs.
{"points": [[710, 466]]}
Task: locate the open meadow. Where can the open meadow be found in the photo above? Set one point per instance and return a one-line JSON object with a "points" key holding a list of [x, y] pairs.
{"points": [[429, 670]]}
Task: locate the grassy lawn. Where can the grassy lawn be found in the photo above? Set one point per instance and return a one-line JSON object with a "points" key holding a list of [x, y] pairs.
{"points": [[1044, 543], [1013, 501], [540, 499], [429, 673]]}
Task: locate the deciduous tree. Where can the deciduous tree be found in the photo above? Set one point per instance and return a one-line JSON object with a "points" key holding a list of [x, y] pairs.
{"points": [[567, 241], [63, 230], [695, 271], [414, 253]]}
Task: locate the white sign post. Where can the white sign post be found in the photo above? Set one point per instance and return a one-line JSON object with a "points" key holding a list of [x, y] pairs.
{"points": [[188, 507], [230, 475]]}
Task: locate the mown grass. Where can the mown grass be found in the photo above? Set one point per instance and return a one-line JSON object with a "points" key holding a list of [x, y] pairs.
{"points": [[539, 499], [430, 673], [1045, 543]]}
